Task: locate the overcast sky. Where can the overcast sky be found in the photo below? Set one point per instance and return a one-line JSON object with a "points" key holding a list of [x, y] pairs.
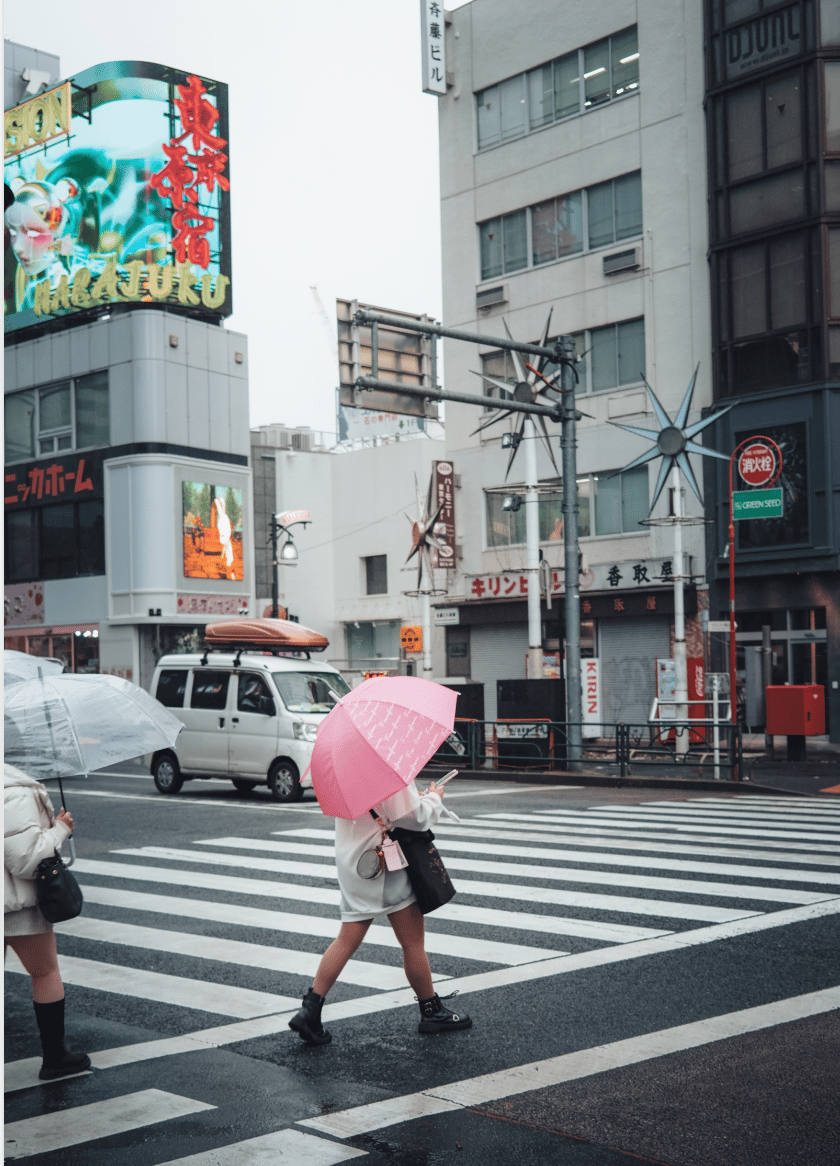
{"points": [[333, 162]]}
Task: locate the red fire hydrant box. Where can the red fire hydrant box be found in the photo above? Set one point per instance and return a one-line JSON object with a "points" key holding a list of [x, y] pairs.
{"points": [[795, 710]]}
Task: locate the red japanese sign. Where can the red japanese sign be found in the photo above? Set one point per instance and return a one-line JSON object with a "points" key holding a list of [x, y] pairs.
{"points": [[757, 464], [186, 174], [70, 479]]}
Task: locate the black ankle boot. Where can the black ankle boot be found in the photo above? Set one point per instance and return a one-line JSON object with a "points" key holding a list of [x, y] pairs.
{"points": [[307, 1021], [438, 1018], [58, 1060]]}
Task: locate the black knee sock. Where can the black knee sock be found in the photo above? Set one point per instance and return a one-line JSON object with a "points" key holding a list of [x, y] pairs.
{"points": [[50, 1019]]}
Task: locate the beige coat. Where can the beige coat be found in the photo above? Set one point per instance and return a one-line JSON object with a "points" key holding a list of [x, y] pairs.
{"points": [[31, 833]]}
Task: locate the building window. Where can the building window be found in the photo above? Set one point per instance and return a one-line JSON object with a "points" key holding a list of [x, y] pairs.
{"points": [[567, 225], [373, 646], [506, 528], [571, 84], [55, 542], [71, 414], [621, 501], [612, 357], [376, 575]]}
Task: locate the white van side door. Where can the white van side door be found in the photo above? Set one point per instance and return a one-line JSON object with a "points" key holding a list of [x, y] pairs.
{"points": [[203, 742], [254, 725]]}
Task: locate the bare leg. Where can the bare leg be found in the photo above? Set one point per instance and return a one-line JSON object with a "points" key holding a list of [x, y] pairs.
{"points": [[334, 959], [38, 955], [409, 930]]}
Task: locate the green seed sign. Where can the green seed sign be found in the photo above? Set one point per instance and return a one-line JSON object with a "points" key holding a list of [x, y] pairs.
{"points": [[757, 503]]}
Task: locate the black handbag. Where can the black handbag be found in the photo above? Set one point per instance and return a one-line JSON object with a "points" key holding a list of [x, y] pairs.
{"points": [[59, 895], [428, 876]]}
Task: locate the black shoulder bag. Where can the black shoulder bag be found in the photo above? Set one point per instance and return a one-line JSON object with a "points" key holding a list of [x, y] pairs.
{"points": [[428, 876], [59, 895]]}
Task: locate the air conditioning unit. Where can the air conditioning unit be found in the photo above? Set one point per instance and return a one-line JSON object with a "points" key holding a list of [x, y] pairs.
{"points": [[489, 297], [302, 441], [630, 260]]}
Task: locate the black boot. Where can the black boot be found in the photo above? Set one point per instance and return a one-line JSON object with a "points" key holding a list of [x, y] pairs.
{"points": [[307, 1021], [438, 1018], [58, 1060]]}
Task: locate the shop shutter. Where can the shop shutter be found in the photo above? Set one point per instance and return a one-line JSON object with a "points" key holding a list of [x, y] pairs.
{"points": [[628, 649], [497, 652]]}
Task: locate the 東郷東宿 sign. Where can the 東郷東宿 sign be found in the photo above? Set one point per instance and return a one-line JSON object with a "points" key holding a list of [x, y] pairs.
{"points": [[757, 503]]}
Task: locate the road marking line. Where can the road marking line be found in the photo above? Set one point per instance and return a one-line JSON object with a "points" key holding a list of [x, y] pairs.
{"points": [[100, 1119], [661, 908], [572, 1066], [448, 837], [692, 814], [228, 951], [591, 820], [615, 836], [289, 1145], [203, 995], [774, 815], [264, 1026], [471, 829], [208, 881], [772, 803], [562, 874], [463, 947]]}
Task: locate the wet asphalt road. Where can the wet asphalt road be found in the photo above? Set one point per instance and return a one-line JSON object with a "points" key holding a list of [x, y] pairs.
{"points": [[761, 1097]]}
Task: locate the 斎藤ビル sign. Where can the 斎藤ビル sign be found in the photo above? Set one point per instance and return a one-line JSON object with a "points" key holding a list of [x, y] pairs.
{"points": [[121, 186]]}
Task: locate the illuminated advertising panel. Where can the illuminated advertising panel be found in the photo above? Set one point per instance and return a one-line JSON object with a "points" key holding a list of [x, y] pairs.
{"points": [[212, 531], [120, 179]]}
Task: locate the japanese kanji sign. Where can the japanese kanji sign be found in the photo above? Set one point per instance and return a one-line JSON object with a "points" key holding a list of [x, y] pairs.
{"points": [[622, 576], [434, 53], [443, 496], [128, 205]]}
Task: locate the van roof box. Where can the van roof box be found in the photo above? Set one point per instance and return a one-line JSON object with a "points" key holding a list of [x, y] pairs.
{"points": [[263, 635]]}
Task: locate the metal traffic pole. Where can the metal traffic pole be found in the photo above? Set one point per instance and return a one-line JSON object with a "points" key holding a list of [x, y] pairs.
{"points": [[568, 442]]}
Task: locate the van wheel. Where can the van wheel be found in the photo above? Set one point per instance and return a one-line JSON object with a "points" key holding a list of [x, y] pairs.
{"points": [[244, 787], [167, 774], [284, 782]]}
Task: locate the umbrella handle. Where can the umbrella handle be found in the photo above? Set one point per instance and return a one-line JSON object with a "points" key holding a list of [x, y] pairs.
{"points": [[72, 852]]}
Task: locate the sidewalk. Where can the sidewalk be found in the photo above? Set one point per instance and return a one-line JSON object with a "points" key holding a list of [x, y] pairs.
{"points": [[818, 774]]}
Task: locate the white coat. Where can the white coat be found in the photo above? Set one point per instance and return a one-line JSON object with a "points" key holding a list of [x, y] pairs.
{"points": [[391, 890], [30, 833]]}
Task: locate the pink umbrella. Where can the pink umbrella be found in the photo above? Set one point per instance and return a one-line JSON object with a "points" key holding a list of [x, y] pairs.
{"points": [[376, 740]]}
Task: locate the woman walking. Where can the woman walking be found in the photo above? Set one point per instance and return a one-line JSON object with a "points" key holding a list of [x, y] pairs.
{"points": [[363, 899], [32, 832]]}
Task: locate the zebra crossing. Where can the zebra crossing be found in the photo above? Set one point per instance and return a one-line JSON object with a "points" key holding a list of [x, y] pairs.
{"points": [[227, 930]]}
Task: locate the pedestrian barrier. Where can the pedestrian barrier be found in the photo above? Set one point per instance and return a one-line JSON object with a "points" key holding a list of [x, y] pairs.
{"points": [[698, 747]]}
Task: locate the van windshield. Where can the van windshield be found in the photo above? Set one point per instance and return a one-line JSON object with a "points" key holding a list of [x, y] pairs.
{"points": [[309, 692]]}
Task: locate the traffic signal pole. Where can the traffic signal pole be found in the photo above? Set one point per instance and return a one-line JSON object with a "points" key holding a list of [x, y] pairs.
{"points": [[563, 412]]}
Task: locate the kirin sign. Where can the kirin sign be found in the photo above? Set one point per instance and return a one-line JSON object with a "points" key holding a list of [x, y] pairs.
{"points": [[120, 180]]}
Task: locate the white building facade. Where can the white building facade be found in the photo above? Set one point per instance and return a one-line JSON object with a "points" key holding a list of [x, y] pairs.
{"points": [[351, 578], [573, 184]]}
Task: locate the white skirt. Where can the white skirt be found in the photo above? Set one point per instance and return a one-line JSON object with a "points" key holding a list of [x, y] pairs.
{"points": [[28, 921], [396, 895]]}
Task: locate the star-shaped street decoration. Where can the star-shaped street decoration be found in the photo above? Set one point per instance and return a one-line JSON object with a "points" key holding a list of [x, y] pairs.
{"points": [[673, 440], [423, 533], [531, 385]]}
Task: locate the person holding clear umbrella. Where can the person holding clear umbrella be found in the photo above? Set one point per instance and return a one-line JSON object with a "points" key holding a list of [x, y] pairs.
{"points": [[32, 832]]}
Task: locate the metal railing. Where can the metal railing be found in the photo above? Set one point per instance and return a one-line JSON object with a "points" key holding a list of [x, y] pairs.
{"points": [[714, 748]]}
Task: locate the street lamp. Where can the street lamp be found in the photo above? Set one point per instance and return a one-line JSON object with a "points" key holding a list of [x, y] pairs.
{"points": [[288, 552]]}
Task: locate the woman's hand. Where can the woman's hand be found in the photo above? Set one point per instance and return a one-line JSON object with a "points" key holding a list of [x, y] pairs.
{"points": [[436, 789], [66, 819]]}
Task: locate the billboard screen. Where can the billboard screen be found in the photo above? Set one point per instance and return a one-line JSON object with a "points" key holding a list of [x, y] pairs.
{"points": [[121, 184], [212, 531]]}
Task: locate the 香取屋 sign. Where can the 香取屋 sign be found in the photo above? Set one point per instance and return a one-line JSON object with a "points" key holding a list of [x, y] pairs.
{"points": [[120, 195], [602, 577]]}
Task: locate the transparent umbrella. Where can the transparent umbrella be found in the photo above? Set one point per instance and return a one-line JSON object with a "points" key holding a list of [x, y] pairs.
{"points": [[19, 666], [55, 726]]}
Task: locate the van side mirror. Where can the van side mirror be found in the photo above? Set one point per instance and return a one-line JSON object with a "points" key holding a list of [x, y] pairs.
{"points": [[266, 706]]}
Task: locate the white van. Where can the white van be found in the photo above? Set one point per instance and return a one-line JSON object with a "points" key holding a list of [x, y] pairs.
{"points": [[250, 717]]}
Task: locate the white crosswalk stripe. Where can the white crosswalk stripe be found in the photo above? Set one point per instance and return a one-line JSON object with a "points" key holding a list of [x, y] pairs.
{"points": [[71, 1127], [538, 894]]}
